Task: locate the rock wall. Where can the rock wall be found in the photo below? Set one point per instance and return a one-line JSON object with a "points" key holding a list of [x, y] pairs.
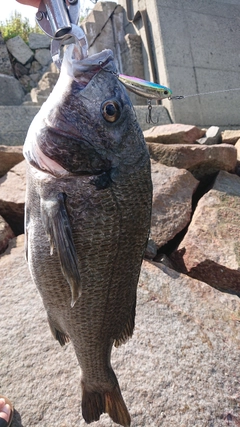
{"points": [[22, 67]]}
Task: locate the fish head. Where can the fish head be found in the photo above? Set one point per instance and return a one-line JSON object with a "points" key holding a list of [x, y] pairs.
{"points": [[88, 124]]}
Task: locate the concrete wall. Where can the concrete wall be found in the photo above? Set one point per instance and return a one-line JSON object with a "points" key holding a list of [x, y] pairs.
{"points": [[196, 48]]}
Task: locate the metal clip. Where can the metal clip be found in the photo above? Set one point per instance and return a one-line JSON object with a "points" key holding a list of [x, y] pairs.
{"points": [[176, 97]]}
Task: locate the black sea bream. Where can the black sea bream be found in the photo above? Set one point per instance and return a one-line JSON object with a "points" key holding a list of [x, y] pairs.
{"points": [[88, 209]]}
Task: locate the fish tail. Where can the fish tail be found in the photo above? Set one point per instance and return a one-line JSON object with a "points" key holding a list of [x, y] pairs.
{"points": [[95, 403]]}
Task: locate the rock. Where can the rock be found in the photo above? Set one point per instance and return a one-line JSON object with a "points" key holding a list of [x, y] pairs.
{"points": [[27, 83], [43, 56], [200, 160], [213, 136], [35, 77], [35, 67], [20, 70], [19, 49], [151, 250], [5, 63], [230, 136], [9, 157], [39, 41], [11, 91], [44, 87], [12, 197], [179, 369], [210, 251], [172, 202], [174, 133], [6, 234], [237, 146], [14, 123]]}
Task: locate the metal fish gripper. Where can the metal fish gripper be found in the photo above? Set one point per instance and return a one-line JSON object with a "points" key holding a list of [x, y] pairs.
{"points": [[59, 20]]}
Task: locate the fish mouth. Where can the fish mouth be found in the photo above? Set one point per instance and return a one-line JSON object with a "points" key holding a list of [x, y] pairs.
{"points": [[85, 69]]}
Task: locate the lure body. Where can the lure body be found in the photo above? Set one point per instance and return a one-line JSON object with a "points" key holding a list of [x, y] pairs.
{"points": [[145, 88]]}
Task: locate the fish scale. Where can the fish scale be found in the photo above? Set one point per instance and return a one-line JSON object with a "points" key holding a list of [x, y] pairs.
{"points": [[88, 213]]}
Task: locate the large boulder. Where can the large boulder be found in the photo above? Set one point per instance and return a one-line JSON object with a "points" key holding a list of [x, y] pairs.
{"points": [[230, 136], [172, 202], [19, 49], [39, 41], [9, 157], [14, 123], [200, 160], [11, 91], [174, 133], [43, 56], [5, 63], [210, 250]]}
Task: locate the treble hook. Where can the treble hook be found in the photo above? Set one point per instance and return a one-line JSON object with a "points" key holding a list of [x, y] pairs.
{"points": [[149, 115]]}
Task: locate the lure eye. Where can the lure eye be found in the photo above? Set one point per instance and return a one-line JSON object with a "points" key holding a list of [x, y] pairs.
{"points": [[165, 92], [111, 111]]}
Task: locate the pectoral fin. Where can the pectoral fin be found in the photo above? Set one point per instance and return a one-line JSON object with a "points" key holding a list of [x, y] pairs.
{"points": [[58, 229]]}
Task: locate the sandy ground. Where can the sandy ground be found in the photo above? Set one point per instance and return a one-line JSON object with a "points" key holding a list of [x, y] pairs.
{"points": [[180, 369]]}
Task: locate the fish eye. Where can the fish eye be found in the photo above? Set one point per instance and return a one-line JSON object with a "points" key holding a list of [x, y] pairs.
{"points": [[111, 111], [165, 92]]}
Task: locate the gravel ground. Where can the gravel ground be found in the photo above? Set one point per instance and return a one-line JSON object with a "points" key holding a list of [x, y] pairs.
{"points": [[181, 368]]}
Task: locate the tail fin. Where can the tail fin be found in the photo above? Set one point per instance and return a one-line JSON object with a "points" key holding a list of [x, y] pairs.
{"points": [[96, 403]]}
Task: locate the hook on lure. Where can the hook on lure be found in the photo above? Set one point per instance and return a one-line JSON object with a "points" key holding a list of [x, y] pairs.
{"points": [[149, 114]]}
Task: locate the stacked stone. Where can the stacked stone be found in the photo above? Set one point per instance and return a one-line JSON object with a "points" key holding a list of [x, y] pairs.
{"points": [[22, 66]]}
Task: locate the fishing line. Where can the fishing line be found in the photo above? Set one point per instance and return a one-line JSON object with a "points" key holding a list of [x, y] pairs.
{"points": [[201, 93]]}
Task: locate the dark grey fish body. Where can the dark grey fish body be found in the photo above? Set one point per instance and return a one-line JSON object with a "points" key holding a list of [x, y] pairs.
{"points": [[88, 203]]}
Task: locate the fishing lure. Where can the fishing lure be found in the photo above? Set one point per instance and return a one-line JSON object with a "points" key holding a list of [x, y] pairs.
{"points": [[145, 88]]}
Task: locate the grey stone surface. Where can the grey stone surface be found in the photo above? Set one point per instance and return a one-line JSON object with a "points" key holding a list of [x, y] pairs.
{"points": [[194, 45], [97, 20], [181, 368], [212, 136], [11, 91], [39, 41], [14, 123], [43, 56], [5, 63], [19, 49]]}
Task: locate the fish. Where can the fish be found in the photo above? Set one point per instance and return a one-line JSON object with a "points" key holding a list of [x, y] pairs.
{"points": [[145, 88], [87, 220]]}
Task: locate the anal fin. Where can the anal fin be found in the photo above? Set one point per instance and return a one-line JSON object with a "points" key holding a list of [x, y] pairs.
{"points": [[58, 229], [60, 336], [95, 403], [128, 329]]}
